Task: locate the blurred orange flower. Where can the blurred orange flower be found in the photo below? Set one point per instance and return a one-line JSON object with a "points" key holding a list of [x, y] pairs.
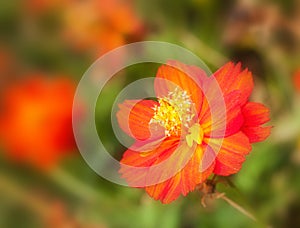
{"points": [[100, 25], [36, 120], [177, 145], [296, 80]]}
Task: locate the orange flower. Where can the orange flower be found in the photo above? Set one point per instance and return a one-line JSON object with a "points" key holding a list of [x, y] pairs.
{"points": [[100, 25], [178, 144], [36, 120], [296, 80]]}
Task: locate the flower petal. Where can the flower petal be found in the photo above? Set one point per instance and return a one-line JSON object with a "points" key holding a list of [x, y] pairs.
{"points": [[231, 154], [183, 182], [256, 114], [138, 160], [227, 120], [184, 76], [139, 169], [230, 78], [134, 117], [257, 134]]}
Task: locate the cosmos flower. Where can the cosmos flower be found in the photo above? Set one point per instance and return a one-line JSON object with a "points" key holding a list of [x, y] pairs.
{"points": [[183, 137], [100, 25], [36, 120]]}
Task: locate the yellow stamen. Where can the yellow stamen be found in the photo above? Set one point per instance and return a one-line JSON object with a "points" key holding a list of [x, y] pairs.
{"points": [[174, 112], [167, 116]]}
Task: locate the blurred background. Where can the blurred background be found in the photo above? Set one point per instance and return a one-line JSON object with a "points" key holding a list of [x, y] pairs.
{"points": [[47, 45]]}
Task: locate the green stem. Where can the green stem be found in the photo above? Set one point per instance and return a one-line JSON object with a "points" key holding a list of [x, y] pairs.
{"points": [[238, 207]]}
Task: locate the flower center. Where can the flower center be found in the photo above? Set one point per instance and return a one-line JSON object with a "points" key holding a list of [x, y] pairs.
{"points": [[174, 112]]}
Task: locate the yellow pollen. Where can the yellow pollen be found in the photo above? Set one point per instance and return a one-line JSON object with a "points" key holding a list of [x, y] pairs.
{"points": [[167, 116], [174, 112]]}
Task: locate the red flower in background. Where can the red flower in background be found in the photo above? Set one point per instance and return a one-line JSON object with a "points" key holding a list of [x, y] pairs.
{"points": [[93, 26], [36, 120], [100, 25], [176, 131], [296, 80]]}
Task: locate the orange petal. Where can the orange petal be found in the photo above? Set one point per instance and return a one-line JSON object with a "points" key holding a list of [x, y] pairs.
{"points": [[139, 169], [257, 134], [183, 182], [230, 78], [134, 117], [137, 161], [227, 121], [146, 158], [232, 153], [184, 76], [256, 114]]}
